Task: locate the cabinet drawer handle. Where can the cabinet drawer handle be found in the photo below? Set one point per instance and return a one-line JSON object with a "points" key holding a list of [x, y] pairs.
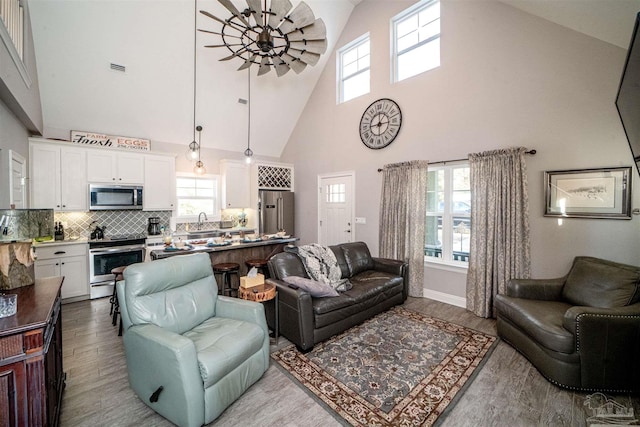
{"points": [[59, 253]]}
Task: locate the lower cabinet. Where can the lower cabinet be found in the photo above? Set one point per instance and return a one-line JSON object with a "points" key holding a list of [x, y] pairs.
{"points": [[31, 376], [70, 261]]}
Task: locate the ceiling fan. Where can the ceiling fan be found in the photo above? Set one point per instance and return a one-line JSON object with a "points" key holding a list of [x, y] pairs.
{"points": [[276, 37]]}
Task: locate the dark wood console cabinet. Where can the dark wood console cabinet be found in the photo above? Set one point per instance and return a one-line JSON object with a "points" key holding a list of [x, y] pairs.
{"points": [[31, 375]]}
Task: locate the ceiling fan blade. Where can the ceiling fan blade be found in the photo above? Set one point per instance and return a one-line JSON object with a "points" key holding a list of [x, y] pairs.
{"points": [[299, 17], [234, 11], [296, 65], [212, 32], [256, 11], [247, 63], [224, 45], [315, 31], [305, 56], [233, 55], [281, 67], [265, 66], [278, 9], [314, 46], [223, 22]]}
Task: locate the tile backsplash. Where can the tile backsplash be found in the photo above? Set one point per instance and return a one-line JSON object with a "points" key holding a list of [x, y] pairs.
{"points": [[116, 222]]}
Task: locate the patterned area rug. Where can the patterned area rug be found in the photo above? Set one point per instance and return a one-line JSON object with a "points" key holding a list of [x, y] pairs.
{"points": [[398, 368]]}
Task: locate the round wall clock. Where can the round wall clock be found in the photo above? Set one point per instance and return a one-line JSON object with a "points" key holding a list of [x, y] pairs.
{"points": [[380, 123]]}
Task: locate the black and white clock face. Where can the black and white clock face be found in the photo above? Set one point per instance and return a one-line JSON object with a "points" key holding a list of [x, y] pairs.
{"points": [[380, 123]]}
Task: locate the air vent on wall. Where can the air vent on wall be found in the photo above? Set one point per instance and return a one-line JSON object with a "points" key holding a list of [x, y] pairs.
{"points": [[117, 67]]}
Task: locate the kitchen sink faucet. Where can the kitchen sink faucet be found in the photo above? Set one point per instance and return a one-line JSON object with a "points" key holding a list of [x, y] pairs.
{"points": [[200, 221]]}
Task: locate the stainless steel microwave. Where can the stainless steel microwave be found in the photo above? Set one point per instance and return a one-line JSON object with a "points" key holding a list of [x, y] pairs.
{"points": [[114, 197]]}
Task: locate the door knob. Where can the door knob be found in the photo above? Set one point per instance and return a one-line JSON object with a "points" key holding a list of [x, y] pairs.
{"points": [[347, 231]]}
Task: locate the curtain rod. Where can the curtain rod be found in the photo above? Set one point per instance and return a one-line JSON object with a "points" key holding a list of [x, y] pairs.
{"points": [[442, 162]]}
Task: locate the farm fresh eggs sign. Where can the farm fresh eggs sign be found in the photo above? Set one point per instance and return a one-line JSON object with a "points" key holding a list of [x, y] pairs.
{"points": [[110, 141]]}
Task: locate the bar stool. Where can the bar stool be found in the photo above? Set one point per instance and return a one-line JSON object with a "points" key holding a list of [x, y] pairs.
{"points": [[260, 264], [226, 269], [115, 306]]}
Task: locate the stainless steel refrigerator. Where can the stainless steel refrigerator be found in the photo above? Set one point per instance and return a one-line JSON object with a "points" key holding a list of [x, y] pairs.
{"points": [[275, 210]]}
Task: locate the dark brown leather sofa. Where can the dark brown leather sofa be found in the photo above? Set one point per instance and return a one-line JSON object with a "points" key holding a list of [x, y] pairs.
{"points": [[581, 331], [378, 284]]}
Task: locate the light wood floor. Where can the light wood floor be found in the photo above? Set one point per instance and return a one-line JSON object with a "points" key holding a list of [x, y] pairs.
{"points": [[508, 390]]}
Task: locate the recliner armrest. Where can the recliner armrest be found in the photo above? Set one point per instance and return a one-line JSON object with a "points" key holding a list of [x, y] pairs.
{"points": [[388, 265], [296, 314], [150, 351], [538, 289], [607, 342], [602, 315]]}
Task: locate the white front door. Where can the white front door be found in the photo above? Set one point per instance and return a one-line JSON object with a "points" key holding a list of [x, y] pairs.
{"points": [[336, 208], [17, 181]]}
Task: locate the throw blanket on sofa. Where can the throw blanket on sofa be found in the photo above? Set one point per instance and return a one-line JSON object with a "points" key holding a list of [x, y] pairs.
{"points": [[321, 265]]}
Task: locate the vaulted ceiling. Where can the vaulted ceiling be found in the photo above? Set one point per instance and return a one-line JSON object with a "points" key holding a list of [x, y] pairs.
{"points": [[77, 41]]}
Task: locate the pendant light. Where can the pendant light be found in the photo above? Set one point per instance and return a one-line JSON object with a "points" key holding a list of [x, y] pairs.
{"points": [[199, 167], [248, 153]]}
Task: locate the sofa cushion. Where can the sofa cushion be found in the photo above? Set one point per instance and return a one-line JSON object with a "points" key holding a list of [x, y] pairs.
{"points": [[369, 289], [541, 320], [357, 257], [222, 344], [342, 263], [286, 264], [594, 282], [365, 286], [315, 288]]}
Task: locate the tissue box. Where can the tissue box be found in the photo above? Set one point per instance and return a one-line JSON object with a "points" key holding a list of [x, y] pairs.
{"points": [[250, 282]]}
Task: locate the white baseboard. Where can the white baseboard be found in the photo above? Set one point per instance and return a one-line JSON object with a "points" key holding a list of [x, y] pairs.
{"points": [[446, 298]]}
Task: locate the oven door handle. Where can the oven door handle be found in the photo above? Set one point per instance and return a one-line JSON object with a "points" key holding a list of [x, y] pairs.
{"points": [[116, 249]]}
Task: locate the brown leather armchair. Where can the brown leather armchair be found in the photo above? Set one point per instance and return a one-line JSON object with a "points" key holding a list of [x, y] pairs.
{"points": [[581, 331]]}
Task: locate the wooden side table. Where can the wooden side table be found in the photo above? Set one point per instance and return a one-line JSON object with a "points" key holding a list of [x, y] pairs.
{"points": [[263, 293]]}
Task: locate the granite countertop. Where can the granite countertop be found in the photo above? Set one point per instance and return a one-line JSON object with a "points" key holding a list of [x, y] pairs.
{"points": [[161, 253], [81, 240]]}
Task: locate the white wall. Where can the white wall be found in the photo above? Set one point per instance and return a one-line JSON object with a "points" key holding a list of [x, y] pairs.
{"points": [[506, 78], [13, 136]]}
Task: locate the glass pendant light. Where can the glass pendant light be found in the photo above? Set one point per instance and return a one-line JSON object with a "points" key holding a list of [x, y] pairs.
{"points": [[199, 167]]}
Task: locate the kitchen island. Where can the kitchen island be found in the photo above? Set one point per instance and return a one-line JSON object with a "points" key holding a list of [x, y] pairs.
{"points": [[237, 252]]}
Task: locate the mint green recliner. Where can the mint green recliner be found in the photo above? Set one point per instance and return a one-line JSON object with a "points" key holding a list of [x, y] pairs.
{"points": [[190, 353]]}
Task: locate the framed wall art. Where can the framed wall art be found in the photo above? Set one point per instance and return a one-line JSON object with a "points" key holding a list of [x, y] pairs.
{"points": [[589, 193]]}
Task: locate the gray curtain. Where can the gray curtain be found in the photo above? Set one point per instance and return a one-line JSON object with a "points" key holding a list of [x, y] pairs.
{"points": [[500, 226], [402, 217]]}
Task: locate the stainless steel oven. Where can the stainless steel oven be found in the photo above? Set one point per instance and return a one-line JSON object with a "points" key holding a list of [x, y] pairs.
{"points": [[109, 253]]}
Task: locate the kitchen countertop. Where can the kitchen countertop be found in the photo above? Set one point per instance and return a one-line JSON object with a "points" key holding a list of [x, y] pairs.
{"points": [[81, 240], [161, 253]]}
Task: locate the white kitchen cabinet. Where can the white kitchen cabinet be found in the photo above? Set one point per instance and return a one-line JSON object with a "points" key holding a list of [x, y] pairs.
{"points": [[235, 184], [159, 183], [119, 168], [68, 260], [58, 177]]}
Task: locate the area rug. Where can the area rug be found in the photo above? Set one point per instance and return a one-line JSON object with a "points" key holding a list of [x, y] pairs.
{"points": [[398, 368]]}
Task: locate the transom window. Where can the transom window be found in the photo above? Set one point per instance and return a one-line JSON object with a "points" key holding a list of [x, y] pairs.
{"points": [[448, 222], [415, 41], [197, 194], [353, 69]]}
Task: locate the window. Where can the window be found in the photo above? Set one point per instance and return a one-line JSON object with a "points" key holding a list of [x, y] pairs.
{"points": [[353, 69], [415, 40], [448, 222], [336, 193], [197, 194]]}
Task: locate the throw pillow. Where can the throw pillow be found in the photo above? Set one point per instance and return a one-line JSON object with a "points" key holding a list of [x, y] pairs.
{"points": [[316, 289]]}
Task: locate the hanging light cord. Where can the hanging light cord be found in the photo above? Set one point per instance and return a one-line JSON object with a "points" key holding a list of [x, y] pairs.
{"points": [[249, 109], [195, 56]]}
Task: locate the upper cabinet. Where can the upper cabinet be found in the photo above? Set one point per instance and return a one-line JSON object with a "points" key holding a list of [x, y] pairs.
{"points": [[116, 168], [58, 177], [159, 183], [235, 184], [60, 174]]}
